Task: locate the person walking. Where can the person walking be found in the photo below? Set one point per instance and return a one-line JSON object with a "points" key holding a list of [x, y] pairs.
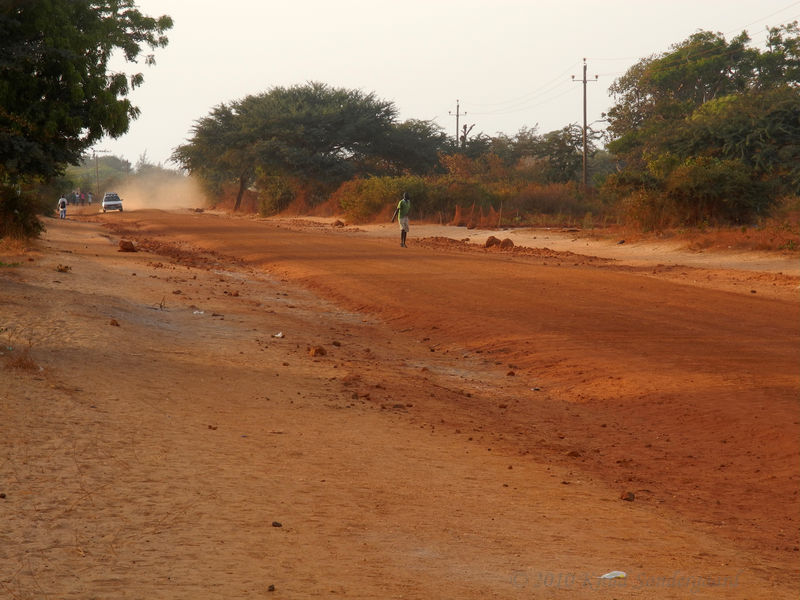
{"points": [[62, 207], [401, 214]]}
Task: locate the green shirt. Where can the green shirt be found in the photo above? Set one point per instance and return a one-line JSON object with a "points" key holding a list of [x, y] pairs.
{"points": [[402, 208]]}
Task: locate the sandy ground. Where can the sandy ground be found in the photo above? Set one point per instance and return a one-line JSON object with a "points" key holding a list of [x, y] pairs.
{"points": [[279, 408]]}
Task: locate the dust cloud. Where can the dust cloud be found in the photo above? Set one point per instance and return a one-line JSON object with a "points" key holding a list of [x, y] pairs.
{"points": [[143, 191]]}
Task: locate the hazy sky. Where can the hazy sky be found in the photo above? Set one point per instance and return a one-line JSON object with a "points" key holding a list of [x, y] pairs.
{"points": [[508, 62]]}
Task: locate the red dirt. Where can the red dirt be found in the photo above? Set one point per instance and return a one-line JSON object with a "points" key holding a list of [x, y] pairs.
{"points": [[469, 430]]}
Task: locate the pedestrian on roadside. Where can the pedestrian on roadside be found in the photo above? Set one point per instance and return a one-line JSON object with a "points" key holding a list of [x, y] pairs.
{"points": [[62, 207], [401, 214]]}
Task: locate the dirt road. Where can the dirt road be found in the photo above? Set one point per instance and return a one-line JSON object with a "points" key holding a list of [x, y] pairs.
{"points": [[247, 403]]}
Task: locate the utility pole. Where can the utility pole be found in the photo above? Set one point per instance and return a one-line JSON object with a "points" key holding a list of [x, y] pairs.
{"points": [[584, 81], [97, 171], [457, 115]]}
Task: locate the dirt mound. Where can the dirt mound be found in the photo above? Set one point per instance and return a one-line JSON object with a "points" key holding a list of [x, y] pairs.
{"points": [[464, 245]]}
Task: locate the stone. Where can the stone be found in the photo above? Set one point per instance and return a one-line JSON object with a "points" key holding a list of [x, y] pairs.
{"points": [[506, 244]]}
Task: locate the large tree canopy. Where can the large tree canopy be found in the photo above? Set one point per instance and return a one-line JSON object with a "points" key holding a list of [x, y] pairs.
{"points": [[312, 132], [703, 68], [57, 96], [708, 114]]}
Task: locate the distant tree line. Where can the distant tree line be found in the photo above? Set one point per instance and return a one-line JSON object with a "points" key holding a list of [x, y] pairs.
{"points": [[706, 132]]}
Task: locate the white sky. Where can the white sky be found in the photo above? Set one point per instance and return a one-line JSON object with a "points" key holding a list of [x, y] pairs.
{"points": [[508, 62]]}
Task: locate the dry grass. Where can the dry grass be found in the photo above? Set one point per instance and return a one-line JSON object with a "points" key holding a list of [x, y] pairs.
{"points": [[773, 235], [21, 360], [13, 246], [18, 358]]}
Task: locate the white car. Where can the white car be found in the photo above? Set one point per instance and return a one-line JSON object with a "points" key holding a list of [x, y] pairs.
{"points": [[111, 201]]}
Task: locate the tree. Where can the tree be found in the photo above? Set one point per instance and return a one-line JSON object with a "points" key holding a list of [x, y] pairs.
{"points": [[220, 151], [760, 129], [657, 91], [553, 157], [512, 150], [57, 96], [312, 133], [414, 147], [315, 130], [95, 174], [780, 64], [711, 127], [562, 153]]}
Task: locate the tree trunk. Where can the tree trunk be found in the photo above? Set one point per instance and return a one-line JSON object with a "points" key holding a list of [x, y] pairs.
{"points": [[242, 185]]}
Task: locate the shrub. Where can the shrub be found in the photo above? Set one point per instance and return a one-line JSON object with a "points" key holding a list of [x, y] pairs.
{"points": [[554, 198], [19, 213], [274, 195], [365, 199], [648, 210], [710, 190]]}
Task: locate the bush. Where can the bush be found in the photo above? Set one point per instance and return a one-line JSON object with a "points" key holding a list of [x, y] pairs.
{"points": [[19, 213], [698, 191], [365, 199], [554, 199], [275, 194], [709, 190], [648, 210]]}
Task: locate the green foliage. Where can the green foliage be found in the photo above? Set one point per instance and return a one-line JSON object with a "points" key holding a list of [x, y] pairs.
{"points": [[364, 199], [699, 190], [554, 157], [414, 147], [57, 97], [275, 194], [314, 132], [760, 128], [220, 152], [562, 152], [439, 197], [715, 191], [18, 213], [97, 174], [708, 132]]}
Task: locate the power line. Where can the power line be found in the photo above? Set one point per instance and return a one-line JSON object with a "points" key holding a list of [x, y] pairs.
{"points": [[729, 32], [534, 98], [557, 80], [523, 107], [769, 16]]}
